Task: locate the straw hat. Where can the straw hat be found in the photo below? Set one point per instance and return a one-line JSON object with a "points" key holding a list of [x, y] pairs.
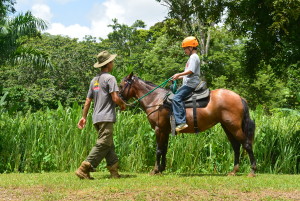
{"points": [[104, 58]]}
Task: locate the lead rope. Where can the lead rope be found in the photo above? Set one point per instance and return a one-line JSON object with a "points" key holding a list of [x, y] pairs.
{"points": [[161, 85]]}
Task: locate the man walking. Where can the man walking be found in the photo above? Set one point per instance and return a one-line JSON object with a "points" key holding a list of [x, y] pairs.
{"points": [[104, 91]]}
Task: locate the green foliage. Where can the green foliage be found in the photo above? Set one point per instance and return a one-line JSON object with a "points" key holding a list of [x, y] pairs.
{"points": [[260, 60], [67, 81], [131, 43], [6, 7], [272, 27], [164, 60], [267, 90], [195, 18], [13, 32], [222, 66], [50, 141], [293, 84], [134, 145], [277, 144], [3, 102], [207, 152], [124, 38]]}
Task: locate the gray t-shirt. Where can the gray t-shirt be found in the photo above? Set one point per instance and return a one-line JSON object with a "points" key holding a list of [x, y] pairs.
{"points": [[100, 88], [193, 64]]}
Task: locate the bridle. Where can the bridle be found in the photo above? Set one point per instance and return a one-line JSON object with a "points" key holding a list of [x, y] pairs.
{"points": [[128, 84]]}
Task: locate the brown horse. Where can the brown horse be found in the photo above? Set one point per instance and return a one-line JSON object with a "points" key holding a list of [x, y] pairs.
{"points": [[225, 107]]}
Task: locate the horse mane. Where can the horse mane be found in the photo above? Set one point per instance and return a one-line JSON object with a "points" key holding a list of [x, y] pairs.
{"points": [[147, 82]]}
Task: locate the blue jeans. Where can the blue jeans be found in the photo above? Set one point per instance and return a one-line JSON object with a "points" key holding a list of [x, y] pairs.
{"points": [[178, 104]]}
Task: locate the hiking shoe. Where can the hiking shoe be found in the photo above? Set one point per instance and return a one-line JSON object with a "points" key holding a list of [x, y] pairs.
{"points": [[83, 172], [181, 127], [114, 170]]}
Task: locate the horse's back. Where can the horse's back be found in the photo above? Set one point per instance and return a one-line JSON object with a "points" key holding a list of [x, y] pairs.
{"points": [[225, 102], [225, 98], [228, 106], [224, 106]]}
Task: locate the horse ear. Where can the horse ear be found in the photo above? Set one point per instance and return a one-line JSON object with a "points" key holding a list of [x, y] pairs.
{"points": [[130, 76]]}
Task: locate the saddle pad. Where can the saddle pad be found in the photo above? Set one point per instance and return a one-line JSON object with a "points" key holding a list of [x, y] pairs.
{"points": [[199, 103], [203, 94]]}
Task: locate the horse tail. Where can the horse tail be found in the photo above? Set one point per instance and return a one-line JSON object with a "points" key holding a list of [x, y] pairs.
{"points": [[248, 125]]}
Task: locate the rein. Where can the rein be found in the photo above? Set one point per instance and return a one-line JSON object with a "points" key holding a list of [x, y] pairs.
{"points": [[161, 85]]}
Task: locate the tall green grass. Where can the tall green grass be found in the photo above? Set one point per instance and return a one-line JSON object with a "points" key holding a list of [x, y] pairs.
{"points": [[50, 141]]}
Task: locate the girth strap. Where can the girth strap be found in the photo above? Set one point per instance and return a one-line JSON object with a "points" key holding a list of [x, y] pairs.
{"points": [[195, 115]]}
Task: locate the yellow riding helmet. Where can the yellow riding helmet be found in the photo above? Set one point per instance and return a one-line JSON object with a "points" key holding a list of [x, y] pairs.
{"points": [[190, 41]]}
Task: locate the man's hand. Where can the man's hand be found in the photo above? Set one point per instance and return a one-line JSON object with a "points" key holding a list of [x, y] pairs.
{"points": [[81, 123], [180, 75], [118, 100], [122, 107], [176, 76]]}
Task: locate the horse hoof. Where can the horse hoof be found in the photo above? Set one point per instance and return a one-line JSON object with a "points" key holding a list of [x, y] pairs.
{"points": [[251, 174], [154, 172], [231, 174]]}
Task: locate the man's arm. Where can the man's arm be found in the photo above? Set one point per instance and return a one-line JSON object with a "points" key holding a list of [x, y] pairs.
{"points": [[180, 75], [82, 121], [118, 100]]}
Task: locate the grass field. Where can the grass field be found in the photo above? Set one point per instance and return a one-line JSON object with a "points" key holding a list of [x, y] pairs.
{"points": [[49, 141], [135, 186]]}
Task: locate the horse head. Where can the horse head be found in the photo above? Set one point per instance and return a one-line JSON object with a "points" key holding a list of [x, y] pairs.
{"points": [[126, 90]]}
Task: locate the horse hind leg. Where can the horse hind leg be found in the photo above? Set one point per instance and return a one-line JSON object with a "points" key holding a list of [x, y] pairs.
{"points": [[248, 147], [237, 139], [236, 145], [248, 127]]}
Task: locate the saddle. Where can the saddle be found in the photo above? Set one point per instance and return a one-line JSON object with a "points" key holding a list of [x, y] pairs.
{"points": [[200, 94], [198, 99]]}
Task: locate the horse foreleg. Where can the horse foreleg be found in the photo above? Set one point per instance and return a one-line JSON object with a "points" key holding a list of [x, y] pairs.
{"points": [[163, 157], [156, 169], [161, 151], [160, 163]]}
